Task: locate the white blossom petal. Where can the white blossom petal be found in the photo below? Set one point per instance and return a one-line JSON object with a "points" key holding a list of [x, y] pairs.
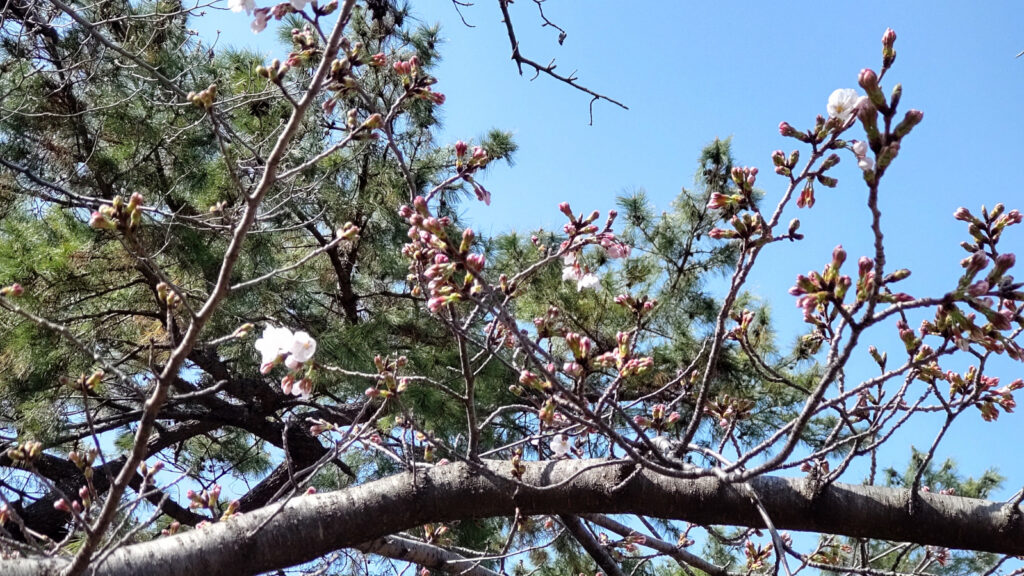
{"points": [[560, 445], [587, 280], [274, 342], [302, 346], [842, 103], [239, 5]]}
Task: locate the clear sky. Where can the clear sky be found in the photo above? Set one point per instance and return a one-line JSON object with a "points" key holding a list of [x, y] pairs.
{"points": [[694, 71]]}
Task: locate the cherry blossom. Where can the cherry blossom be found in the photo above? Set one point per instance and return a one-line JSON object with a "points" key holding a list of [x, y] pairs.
{"points": [[842, 103], [274, 343], [860, 150], [277, 342], [259, 21], [303, 346], [560, 445], [588, 280], [239, 5]]}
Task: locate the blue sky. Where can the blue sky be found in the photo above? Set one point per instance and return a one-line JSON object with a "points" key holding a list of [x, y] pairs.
{"points": [[691, 72]]}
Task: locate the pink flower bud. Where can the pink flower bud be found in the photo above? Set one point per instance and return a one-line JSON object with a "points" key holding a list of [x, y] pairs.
{"points": [[889, 38], [460, 148], [475, 262], [868, 80]]}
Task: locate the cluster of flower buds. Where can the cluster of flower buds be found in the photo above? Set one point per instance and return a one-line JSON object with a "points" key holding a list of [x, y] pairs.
{"points": [[658, 420], [84, 461], [743, 321], [817, 468], [360, 130], [275, 72], [171, 529], [547, 413], [204, 98], [75, 507], [727, 410], [165, 293], [581, 232], [501, 335], [941, 555], [549, 324], [416, 83], [628, 544], [815, 290], [531, 381], [580, 346], [12, 291], [640, 306], [388, 382], [744, 226], [983, 391], [24, 453], [118, 214], [85, 495], [885, 146], [518, 469], [757, 555], [450, 270], [623, 359], [320, 426], [433, 533], [743, 197], [466, 164], [306, 47], [987, 229], [784, 165], [207, 499], [149, 472]]}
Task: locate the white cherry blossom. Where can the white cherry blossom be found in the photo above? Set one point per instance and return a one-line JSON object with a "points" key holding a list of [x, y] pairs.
{"points": [[303, 346], [588, 280], [274, 342], [239, 5], [560, 445], [842, 103]]}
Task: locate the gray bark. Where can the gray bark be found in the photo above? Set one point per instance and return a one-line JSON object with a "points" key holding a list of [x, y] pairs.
{"points": [[311, 526]]}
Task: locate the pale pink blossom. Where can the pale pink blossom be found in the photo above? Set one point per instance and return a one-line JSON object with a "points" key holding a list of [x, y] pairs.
{"points": [[302, 347], [239, 5], [259, 20]]}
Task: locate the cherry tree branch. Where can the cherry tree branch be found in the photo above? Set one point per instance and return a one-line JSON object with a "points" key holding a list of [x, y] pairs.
{"points": [[311, 526]]}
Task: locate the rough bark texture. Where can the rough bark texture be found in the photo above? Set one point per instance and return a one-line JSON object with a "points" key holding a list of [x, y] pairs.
{"points": [[314, 525]]}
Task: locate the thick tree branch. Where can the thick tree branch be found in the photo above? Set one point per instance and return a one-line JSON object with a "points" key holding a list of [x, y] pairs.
{"points": [[311, 526], [600, 555]]}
